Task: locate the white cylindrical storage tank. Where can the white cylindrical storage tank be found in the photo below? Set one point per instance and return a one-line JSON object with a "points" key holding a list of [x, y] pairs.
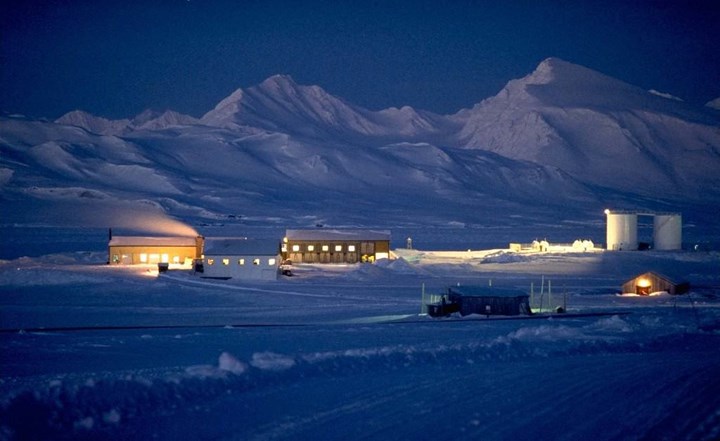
{"points": [[667, 231], [622, 231]]}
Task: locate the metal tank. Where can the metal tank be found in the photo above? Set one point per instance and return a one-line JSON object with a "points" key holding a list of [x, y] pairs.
{"points": [[621, 231], [667, 231]]}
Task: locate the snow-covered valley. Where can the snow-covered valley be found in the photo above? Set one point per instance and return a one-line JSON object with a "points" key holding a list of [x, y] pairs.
{"points": [[342, 352], [93, 351]]}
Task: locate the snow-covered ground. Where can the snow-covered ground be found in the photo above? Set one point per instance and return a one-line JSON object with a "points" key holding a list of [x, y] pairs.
{"points": [[341, 352]]}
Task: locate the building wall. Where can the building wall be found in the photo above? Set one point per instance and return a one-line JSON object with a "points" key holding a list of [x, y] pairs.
{"points": [[138, 254], [492, 305], [647, 283], [241, 267], [336, 251]]}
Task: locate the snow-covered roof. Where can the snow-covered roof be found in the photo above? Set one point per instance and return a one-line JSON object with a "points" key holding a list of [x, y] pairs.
{"points": [[670, 276], [235, 246], [127, 241], [336, 234], [486, 291]]}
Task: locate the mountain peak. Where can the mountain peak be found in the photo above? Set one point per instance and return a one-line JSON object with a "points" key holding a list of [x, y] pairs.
{"points": [[559, 83], [547, 70], [280, 104], [279, 79], [154, 120], [556, 71], [92, 123]]}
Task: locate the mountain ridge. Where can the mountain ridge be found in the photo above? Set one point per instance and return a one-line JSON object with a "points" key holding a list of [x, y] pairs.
{"points": [[564, 134]]}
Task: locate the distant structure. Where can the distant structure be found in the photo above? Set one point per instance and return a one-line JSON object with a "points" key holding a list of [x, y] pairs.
{"points": [[139, 250], [538, 246], [241, 258], [622, 230], [336, 246], [583, 245], [650, 282]]}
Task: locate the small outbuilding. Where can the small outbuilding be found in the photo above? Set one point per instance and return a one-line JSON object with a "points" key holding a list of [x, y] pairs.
{"points": [[323, 245], [489, 300], [140, 250], [240, 258], [650, 282]]}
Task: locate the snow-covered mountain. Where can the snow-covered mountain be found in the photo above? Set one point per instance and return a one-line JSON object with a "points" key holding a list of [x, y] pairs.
{"points": [[92, 123], [601, 130], [564, 137], [147, 120], [153, 120], [279, 104]]}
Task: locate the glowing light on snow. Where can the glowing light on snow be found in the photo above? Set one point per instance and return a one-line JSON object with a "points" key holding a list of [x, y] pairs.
{"points": [[151, 272]]}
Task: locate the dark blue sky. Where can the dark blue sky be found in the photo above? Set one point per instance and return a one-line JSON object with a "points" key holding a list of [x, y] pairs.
{"points": [[117, 58]]}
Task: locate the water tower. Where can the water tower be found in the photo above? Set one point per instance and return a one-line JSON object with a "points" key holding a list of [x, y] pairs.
{"points": [[621, 231]]}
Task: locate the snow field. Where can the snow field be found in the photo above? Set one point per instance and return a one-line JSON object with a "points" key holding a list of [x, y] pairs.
{"points": [[444, 371], [340, 352]]}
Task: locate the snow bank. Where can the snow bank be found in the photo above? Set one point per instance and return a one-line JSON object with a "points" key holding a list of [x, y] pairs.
{"points": [[227, 362], [384, 269], [505, 257], [271, 361], [399, 265]]}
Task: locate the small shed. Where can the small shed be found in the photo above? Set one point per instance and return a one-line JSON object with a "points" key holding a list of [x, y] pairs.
{"points": [[650, 282], [489, 300], [140, 250], [241, 258], [324, 245]]}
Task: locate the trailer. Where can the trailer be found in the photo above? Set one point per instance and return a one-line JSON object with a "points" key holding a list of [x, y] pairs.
{"points": [[484, 300]]}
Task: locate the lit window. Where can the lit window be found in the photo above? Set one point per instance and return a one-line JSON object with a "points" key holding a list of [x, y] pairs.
{"points": [[116, 258], [176, 259], [338, 247], [143, 258], [296, 248], [256, 261], [325, 248], [351, 248], [311, 247], [210, 261], [226, 262], [271, 262], [241, 261], [164, 258]]}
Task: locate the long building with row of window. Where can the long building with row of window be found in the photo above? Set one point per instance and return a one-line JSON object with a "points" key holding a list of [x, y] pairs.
{"points": [[252, 259], [336, 246]]}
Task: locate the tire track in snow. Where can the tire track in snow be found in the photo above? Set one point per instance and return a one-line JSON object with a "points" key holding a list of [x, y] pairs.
{"points": [[488, 382]]}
